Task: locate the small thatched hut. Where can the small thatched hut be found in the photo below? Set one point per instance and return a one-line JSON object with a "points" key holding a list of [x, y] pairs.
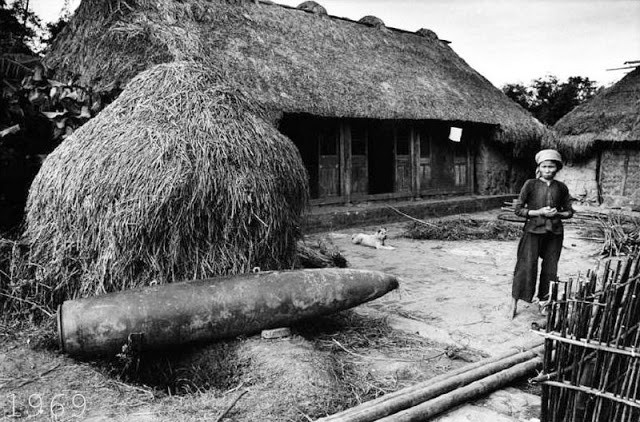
{"points": [[370, 108], [601, 138], [181, 177]]}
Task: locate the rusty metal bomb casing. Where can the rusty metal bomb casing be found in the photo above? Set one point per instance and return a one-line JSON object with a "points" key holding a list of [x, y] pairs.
{"points": [[203, 310]]}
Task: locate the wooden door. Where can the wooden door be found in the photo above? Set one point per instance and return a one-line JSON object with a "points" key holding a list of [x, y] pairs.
{"points": [[359, 161], [461, 167], [425, 160], [402, 152], [328, 165]]}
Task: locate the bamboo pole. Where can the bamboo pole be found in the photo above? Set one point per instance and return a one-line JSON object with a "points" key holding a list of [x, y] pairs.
{"points": [[548, 376], [548, 348], [416, 394], [595, 392], [430, 408], [628, 351]]}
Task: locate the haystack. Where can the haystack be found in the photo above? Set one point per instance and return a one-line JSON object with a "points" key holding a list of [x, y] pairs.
{"points": [[180, 178]]}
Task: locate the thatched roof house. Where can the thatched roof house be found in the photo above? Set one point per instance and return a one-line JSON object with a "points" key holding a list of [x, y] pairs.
{"points": [[289, 59], [378, 91], [602, 137], [612, 116]]}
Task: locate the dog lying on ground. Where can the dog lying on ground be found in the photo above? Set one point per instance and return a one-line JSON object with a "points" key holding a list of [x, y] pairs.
{"points": [[372, 240]]}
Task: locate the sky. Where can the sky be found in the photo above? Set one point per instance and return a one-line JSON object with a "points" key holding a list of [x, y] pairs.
{"points": [[507, 41]]}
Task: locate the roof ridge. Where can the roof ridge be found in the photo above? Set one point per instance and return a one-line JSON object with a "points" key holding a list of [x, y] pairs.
{"points": [[405, 31]]}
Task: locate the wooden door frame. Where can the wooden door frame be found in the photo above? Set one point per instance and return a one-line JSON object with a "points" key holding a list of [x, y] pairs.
{"points": [[408, 193], [345, 160], [415, 161], [359, 195], [330, 199]]}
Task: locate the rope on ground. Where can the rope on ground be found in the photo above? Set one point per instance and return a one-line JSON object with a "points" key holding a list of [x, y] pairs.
{"points": [[411, 218]]}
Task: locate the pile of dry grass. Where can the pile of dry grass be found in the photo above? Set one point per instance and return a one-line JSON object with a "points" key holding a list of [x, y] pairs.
{"points": [[329, 365], [463, 229], [285, 379], [324, 253], [180, 178], [289, 381], [15, 274], [362, 345]]}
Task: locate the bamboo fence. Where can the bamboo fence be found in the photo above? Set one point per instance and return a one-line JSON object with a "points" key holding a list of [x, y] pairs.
{"points": [[591, 363]]}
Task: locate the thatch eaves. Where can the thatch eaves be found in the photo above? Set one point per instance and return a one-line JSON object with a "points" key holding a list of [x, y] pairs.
{"points": [[290, 61], [611, 116]]}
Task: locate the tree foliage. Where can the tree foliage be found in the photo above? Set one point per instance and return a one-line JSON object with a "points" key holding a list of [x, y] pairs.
{"points": [[54, 28], [22, 31], [19, 27], [548, 99]]}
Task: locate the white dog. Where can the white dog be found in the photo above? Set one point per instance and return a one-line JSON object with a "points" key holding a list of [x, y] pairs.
{"points": [[372, 240]]}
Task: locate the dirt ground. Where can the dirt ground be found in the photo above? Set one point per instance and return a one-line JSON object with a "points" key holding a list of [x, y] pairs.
{"points": [[449, 310], [457, 293]]}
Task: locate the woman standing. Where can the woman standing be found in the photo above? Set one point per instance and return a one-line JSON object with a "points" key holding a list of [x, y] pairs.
{"points": [[544, 202]]}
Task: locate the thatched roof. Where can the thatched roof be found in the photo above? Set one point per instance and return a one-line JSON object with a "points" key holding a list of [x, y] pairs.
{"points": [[289, 60], [181, 177], [611, 116]]}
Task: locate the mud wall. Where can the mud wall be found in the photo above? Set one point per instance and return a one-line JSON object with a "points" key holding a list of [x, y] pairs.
{"points": [[620, 177], [582, 180], [497, 171]]}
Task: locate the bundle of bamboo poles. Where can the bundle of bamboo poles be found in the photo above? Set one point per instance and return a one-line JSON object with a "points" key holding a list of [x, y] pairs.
{"points": [[591, 364], [618, 231], [424, 400]]}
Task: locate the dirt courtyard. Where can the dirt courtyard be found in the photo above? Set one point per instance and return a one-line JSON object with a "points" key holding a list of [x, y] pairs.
{"points": [[457, 293], [450, 310]]}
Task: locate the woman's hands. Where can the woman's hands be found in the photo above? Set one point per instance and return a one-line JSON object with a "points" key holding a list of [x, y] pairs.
{"points": [[548, 212]]}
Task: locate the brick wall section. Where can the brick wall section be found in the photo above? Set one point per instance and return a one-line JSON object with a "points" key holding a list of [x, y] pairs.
{"points": [[581, 179], [331, 218]]}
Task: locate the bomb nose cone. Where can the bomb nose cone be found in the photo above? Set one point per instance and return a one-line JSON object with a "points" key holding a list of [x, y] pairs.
{"points": [[393, 283]]}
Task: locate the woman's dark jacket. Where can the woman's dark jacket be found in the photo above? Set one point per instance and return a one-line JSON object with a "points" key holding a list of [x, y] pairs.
{"points": [[536, 194]]}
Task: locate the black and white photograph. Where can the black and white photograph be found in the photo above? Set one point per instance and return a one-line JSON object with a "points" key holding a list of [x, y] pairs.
{"points": [[332, 211]]}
